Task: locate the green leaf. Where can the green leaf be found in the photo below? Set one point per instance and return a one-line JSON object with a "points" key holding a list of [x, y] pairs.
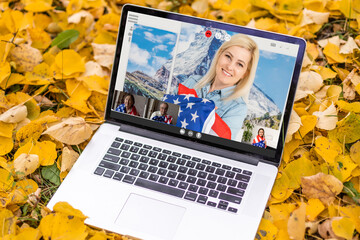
{"points": [[351, 191], [51, 173], [65, 38]]}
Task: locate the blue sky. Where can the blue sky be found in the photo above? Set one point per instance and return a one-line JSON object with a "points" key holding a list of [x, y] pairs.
{"points": [[150, 49]]}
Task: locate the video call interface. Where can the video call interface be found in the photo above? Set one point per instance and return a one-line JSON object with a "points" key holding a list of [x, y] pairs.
{"points": [[162, 77]]}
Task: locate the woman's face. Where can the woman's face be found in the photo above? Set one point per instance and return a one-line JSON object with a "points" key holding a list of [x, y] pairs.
{"points": [[261, 133], [128, 102], [231, 66]]}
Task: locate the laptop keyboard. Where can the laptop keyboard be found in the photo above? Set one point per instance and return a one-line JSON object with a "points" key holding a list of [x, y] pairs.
{"points": [[176, 174]]}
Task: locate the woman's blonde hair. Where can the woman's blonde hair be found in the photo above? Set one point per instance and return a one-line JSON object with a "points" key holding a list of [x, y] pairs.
{"points": [[243, 86]]}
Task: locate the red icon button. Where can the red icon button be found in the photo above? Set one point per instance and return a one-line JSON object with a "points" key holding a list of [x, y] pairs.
{"points": [[208, 33]]}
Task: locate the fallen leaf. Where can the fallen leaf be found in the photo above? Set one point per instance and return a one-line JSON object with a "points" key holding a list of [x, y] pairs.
{"points": [[25, 57], [308, 124], [69, 62], [7, 222], [6, 145], [348, 129], [352, 212], [69, 157], [296, 223], [294, 125], [104, 54], [14, 115], [297, 169], [6, 180], [331, 51], [313, 208], [66, 208], [327, 119], [310, 17], [327, 149], [93, 68], [322, 186], [343, 227], [26, 164], [71, 131], [325, 230], [355, 152], [266, 230], [6, 129], [349, 46]]}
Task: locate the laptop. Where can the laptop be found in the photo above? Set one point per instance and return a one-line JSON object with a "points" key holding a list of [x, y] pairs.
{"points": [[196, 118]]}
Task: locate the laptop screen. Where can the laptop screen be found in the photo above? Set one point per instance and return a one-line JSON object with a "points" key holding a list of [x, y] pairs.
{"points": [[203, 80]]}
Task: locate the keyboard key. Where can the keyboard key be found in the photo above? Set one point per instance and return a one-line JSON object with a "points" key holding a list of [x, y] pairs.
{"points": [[173, 182], [125, 154], [212, 204], [173, 167], [223, 205], [128, 141], [186, 156], [247, 172], [143, 166], [157, 149], [129, 179], [163, 180], [125, 169], [153, 162], [144, 159], [193, 188], [154, 177], [215, 164], [163, 164], [119, 139], [202, 199], [115, 144], [213, 193], [242, 185], [232, 182], [222, 180], [166, 151], [202, 174], [210, 169], [125, 146], [211, 185], [242, 177], [134, 172], [229, 174], [238, 170], [192, 172], [201, 182], [162, 156], [200, 166], [190, 196], [135, 157], [111, 158], [196, 159], [171, 174], [183, 185], [182, 169], [230, 198], [109, 165], [190, 179], [143, 151], [221, 187], [133, 164], [203, 191], [134, 149], [176, 154], [152, 154], [207, 162], [162, 171], [171, 159], [147, 146], [124, 161], [144, 174], [99, 171], [159, 187], [231, 209], [236, 191], [109, 173], [190, 164], [212, 177], [220, 172], [181, 161], [226, 167], [138, 144], [118, 176], [114, 151], [152, 169]]}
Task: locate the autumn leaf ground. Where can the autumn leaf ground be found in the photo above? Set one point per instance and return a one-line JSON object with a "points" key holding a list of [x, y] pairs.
{"points": [[55, 62]]}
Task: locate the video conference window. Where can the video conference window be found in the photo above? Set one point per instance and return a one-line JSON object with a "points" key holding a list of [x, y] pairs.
{"points": [[223, 83]]}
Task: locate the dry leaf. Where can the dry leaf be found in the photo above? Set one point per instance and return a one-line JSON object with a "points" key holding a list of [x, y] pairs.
{"points": [[69, 157], [14, 115], [26, 164], [327, 119], [296, 223], [25, 57], [71, 131], [104, 54], [310, 17], [325, 230], [355, 152], [343, 227], [294, 125], [349, 46], [93, 68], [322, 186]]}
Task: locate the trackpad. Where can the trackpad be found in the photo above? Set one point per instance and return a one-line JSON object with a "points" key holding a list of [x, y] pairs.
{"points": [[150, 216]]}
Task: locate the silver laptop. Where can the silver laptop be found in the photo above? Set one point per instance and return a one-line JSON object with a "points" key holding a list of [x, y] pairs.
{"points": [[196, 118]]}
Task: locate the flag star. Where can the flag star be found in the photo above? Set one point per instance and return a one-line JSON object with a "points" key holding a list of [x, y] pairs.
{"points": [[189, 105], [204, 100], [164, 98], [180, 111], [194, 116], [176, 101], [187, 97], [184, 123]]}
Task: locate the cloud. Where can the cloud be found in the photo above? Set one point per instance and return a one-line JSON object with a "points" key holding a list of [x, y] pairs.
{"points": [[160, 48], [169, 37], [268, 55], [158, 61], [187, 36], [138, 56]]}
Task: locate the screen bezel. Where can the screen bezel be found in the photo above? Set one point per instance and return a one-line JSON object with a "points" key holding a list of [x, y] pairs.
{"points": [[268, 155]]}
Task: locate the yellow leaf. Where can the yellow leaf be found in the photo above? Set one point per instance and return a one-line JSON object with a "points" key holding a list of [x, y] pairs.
{"points": [[355, 152], [312, 49], [46, 151], [265, 4], [308, 124], [6, 129], [313, 208], [353, 212], [104, 54], [29, 233], [237, 16], [5, 71], [296, 223], [266, 230], [34, 128], [291, 7], [322, 186], [281, 213], [289, 148], [40, 38], [69, 157], [6, 181], [315, 5], [71, 131], [7, 222], [95, 83], [327, 149], [333, 93], [345, 165], [65, 208], [348, 129], [41, 75], [326, 119], [14, 115], [347, 8], [6, 145], [332, 52], [349, 107], [42, 21], [294, 125], [69, 62], [299, 168], [281, 188], [25, 57], [26, 164], [327, 73], [37, 5], [343, 227]]}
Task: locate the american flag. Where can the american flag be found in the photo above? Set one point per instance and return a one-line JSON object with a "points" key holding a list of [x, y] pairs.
{"points": [[259, 142], [122, 108], [164, 119]]}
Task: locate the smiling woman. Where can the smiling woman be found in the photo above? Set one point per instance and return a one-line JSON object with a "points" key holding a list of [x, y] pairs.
{"points": [[229, 80]]}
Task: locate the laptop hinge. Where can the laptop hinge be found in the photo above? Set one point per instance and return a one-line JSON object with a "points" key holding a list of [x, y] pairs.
{"points": [[189, 144]]}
